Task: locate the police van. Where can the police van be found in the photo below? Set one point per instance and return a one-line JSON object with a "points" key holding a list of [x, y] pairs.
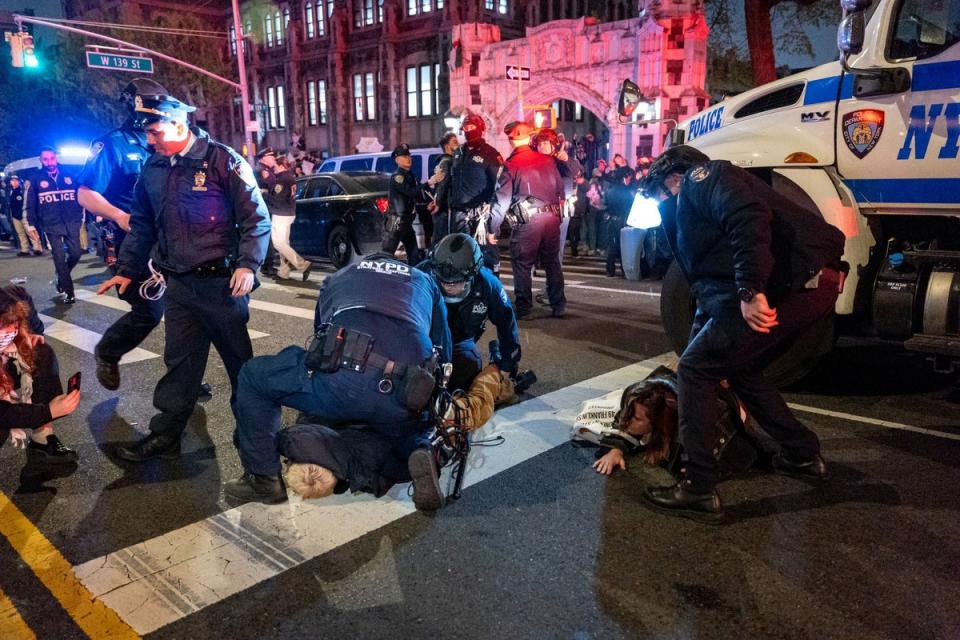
{"points": [[871, 143], [424, 162]]}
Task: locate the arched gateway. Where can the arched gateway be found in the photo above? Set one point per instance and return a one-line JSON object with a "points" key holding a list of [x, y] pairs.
{"points": [[584, 62]]}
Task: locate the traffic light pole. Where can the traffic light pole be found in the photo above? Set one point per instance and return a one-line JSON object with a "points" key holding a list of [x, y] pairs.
{"points": [[241, 86], [241, 43]]}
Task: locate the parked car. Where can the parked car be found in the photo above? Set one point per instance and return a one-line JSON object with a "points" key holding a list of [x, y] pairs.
{"points": [[340, 215], [424, 161]]}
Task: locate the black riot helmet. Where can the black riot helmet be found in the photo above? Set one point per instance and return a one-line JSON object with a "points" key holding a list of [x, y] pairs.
{"points": [[457, 258], [678, 159], [140, 87]]}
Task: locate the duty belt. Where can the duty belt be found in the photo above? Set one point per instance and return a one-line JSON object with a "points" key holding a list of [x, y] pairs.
{"points": [[220, 268]]}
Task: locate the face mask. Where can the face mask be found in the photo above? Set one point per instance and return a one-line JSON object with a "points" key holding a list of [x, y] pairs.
{"points": [[6, 339], [473, 134]]}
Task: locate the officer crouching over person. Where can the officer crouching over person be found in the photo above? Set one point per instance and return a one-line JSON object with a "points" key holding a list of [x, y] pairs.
{"points": [[403, 197], [472, 295], [380, 331], [763, 270], [198, 214]]}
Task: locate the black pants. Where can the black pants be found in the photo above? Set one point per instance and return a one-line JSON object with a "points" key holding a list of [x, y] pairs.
{"points": [[614, 225], [537, 241], [445, 223], [199, 312], [130, 330], [395, 233], [573, 235], [724, 347], [467, 363], [65, 262]]}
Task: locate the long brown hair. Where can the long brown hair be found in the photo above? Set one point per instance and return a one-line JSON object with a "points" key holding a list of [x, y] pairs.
{"points": [[16, 311], [660, 402]]}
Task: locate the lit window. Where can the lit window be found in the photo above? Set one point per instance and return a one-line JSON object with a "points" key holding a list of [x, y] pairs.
{"points": [[423, 97], [286, 18], [488, 5], [321, 20], [278, 27], [578, 111], [436, 88], [357, 97], [502, 7], [371, 98], [233, 40], [322, 95], [272, 107], [268, 30], [413, 109], [363, 15], [281, 108], [308, 22], [426, 90], [312, 103]]}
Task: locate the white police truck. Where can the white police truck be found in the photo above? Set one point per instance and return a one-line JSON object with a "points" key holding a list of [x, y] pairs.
{"points": [[871, 142]]}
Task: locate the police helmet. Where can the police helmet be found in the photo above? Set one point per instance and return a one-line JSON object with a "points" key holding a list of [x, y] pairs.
{"points": [[476, 120], [546, 135], [678, 159], [140, 87], [457, 258]]}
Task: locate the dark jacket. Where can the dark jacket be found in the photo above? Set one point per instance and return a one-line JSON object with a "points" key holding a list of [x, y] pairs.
{"points": [[283, 201], [116, 160], [533, 175], [487, 299], [16, 202], [52, 201], [206, 207], [475, 178], [729, 227], [404, 194]]}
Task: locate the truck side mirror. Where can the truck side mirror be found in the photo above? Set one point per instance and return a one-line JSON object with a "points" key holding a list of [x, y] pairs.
{"points": [[850, 35], [629, 99]]}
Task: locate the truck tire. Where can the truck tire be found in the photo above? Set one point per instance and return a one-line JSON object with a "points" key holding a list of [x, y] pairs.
{"points": [[677, 308], [339, 246]]}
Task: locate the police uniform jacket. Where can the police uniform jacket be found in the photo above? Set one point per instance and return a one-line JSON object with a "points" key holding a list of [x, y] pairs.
{"points": [[475, 177], [266, 181], [398, 305], [533, 175], [282, 200], [204, 208], [487, 299], [16, 202], [403, 195], [729, 229], [52, 201], [116, 160]]}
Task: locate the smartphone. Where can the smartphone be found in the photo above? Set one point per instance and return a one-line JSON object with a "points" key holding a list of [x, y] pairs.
{"points": [[73, 383]]}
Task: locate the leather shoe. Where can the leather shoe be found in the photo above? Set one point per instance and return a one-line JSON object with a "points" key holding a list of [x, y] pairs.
{"points": [[679, 500], [523, 314], [108, 374], [427, 494], [251, 487], [51, 452], [306, 271], [154, 445], [813, 469]]}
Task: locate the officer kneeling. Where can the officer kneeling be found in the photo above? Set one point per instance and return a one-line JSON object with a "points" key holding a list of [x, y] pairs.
{"points": [[380, 332], [472, 294]]}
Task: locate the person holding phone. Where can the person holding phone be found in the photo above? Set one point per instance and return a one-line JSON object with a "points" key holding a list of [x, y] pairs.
{"points": [[31, 395]]}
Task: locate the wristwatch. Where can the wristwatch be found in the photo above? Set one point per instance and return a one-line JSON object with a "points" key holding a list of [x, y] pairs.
{"points": [[746, 294]]}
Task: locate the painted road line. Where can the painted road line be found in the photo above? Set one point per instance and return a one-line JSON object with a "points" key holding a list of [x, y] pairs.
{"points": [[12, 624], [112, 302], [285, 309], [629, 292], [159, 581], [95, 618], [85, 339], [887, 424]]}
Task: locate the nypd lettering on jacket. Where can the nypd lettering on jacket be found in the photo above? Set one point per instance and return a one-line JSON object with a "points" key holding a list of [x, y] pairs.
{"points": [[923, 120], [382, 266], [49, 197], [706, 123]]}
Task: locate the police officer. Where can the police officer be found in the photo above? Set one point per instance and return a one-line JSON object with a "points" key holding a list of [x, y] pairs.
{"points": [[52, 205], [267, 183], [536, 194], [763, 270], [198, 215], [106, 189], [378, 324], [472, 195], [24, 237], [473, 295], [404, 196]]}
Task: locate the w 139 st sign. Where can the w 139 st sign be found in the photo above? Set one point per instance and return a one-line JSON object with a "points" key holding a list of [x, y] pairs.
{"points": [[105, 60]]}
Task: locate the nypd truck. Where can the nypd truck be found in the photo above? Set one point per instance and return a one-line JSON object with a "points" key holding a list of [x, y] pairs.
{"points": [[870, 142]]}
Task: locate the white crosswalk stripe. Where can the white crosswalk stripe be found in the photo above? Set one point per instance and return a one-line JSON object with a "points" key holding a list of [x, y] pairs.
{"points": [[85, 339]]}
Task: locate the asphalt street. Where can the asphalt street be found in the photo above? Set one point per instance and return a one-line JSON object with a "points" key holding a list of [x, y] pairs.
{"points": [[539, 545]]}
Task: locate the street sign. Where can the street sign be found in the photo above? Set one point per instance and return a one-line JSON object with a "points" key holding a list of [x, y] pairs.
{"points": [[514, 72], [253, 126], [119, 61]]}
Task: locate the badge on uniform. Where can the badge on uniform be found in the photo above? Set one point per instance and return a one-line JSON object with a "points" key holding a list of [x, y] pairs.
{"points": [[96, 148], [861, 130], [44, 184], [478, 159], [134, 156], [398, 179], [699, 174], [67, 180], [199, 181]]}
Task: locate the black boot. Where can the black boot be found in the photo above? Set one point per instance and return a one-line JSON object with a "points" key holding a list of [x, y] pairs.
{"points": [[155, 445], [814, 469], [427, 494], [51, 452], [679, 500], [251, 487], [108, 373]]}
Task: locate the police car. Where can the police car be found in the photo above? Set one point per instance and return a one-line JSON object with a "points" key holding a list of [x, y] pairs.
{"points": [[870, 142]]}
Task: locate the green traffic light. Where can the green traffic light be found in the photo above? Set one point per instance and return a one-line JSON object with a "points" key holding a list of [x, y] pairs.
{"points": [[31, 62]]}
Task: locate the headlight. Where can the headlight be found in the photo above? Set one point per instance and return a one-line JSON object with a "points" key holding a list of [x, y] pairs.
{"points": [[645, 213]]}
